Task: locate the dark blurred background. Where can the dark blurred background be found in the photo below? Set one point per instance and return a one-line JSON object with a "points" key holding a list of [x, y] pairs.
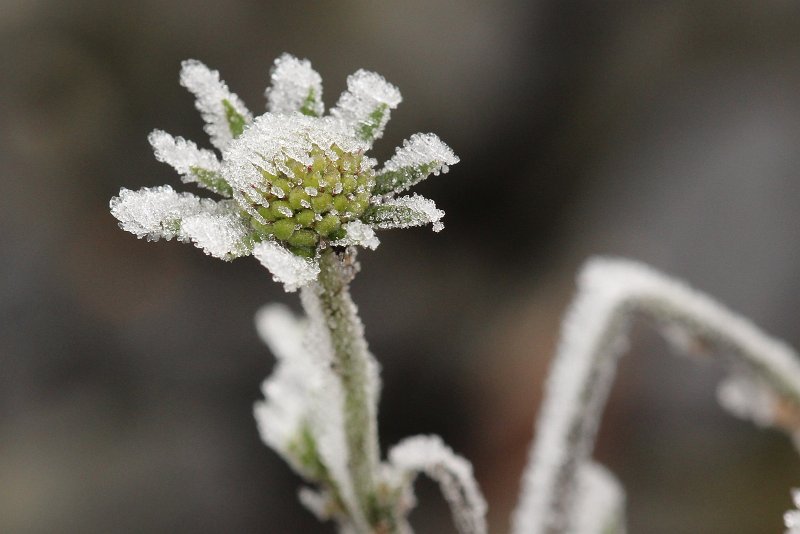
{"points": [[662, 131]]}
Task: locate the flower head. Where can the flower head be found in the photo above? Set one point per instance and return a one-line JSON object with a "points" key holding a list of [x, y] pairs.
{"points": [[291, 182]]}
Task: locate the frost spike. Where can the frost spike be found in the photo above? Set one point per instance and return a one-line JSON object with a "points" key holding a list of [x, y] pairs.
{"points": [[195, 165], [405, 212], [365, 107], [420, 156], [593, 337], [295, 87], [429, 455], [224, 113]]}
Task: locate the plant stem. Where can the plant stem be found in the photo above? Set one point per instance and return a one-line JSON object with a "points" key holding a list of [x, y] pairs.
{"points": [[356, 369]]}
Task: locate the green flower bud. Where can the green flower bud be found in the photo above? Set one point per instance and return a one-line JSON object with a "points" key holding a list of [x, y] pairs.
{"points": [[329, 224], [283, 229], [303, 238], [322, 202], [281, 209]]}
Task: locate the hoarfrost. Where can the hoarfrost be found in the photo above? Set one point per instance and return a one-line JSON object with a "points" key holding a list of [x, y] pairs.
{"points": [[364, 108], [327, 415], [289, 269], [791, 519], [156, 212], [429, 455], [360, 234], [593, 336], [211, 95], [316, 502], [181, 154], [406, 212], [420, 156], [286, 392], [273, 139], [219, 235], [295, 87], [600, 503]]}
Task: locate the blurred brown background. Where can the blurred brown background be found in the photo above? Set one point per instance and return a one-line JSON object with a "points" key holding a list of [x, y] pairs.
{"points": [[663, 131]]}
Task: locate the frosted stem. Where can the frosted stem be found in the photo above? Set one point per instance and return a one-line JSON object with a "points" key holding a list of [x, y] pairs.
{"points": [[354, 366], [765, 385]]}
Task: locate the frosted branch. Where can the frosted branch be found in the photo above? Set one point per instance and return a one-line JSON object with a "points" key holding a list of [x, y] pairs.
{"points": [[592, 338], [405, 212], [224, 113], [364, 108], [429, 455], [419, 157], [295, 87]]}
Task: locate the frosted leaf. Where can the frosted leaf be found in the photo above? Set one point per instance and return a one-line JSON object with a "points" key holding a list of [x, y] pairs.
{"points": [[318, 503], [221, 235], [224, 112], [365, 107], [196, 165], [359, 234], [272, 139], [405, 212], [420, 156], [600, 503], [429, 455], [156, 212], [594, 335], [287, 268], [791, 519], [295, 87]]}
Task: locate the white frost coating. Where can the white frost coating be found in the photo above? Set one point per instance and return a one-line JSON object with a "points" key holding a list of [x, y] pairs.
{"points": [[747, 398], [210, 92], [286, 392], [359, 234], [429, 455], [366, 92], [304, 391], [421, 152], [791, 519], [591, 340], [221, 235], [423, 211], [273, 138], [181, 154], [326, 417], [156, 212], [316, 502], [288, 268], [292, 81], [600, 503]]}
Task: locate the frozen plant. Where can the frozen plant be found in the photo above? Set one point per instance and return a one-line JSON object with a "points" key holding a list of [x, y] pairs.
{"points": [[296, 189]]}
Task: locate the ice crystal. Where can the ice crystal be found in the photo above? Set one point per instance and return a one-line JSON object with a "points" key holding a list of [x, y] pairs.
{"points": [[300, 182]]}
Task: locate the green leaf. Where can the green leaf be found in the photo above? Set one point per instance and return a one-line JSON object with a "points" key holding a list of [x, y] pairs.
{"points": [[236, 121], [212, 180], [402, 178], [387, 216], [368, 129], [309, 106]]}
